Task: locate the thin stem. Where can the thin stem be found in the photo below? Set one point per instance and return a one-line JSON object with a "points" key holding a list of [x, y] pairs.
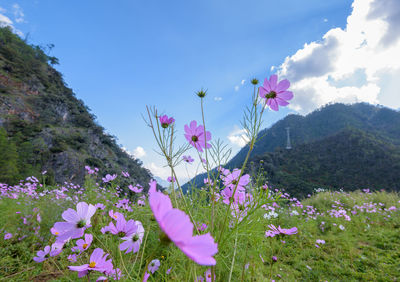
{"points": [[234, 255]]}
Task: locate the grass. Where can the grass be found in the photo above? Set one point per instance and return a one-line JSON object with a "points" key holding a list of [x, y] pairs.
{"points": [[368, 249]]}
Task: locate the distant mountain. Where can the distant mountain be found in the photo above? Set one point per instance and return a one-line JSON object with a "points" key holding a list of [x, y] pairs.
{"points": [[374, 127], [43, 126]]}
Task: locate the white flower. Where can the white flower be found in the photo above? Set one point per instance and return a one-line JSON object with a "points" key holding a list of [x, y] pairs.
{"points": [[341, 227], [270, 215], [294, 213]]}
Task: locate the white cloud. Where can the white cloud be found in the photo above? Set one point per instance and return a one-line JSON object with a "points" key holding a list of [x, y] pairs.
{"points": [[238, 137], [162, 172], [357, 64], [243, 81], [325, 20], [2, 10], [18, 13], [237, 88], [217, 99], [5, 21], [139, 152]]}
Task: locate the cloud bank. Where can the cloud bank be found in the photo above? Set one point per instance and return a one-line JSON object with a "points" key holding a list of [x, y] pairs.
{"points": [[360, 63]]}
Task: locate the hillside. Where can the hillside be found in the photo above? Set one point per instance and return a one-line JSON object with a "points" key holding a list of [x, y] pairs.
{"points": [[351, 159], [360, 134], [43, 126]]}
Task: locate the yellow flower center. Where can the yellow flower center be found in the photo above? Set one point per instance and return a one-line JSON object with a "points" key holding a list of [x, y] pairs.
{"points": [[92, 264], [115, 216], [85, 246], [56, 233]]}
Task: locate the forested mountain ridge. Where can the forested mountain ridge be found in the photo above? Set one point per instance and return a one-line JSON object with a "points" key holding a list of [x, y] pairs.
{"points": [[365, 137], [43, 126]]}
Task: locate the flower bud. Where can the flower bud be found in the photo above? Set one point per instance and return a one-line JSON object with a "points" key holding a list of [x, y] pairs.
{"points": [[202, 93], [254, 81]]}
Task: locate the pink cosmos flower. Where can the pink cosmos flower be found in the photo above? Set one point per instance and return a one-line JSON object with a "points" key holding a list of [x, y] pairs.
{"points": [[195, 135], [100, 206], [146, 276], [290, 231], [154, 265], [123, 228], [188, 159], [8, 236], [165, 121], [76, 221], [114, 215], [109, 178], [171, 179], [72, 258], [42, 255], [125, 174], [98, 262], [135, 189], [179, 229], [83, 245], [133, 239], [232, 179], [275, 93]]}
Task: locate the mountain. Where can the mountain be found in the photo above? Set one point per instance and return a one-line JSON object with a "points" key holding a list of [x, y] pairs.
{"points": [[43, 126], [315, 135]]}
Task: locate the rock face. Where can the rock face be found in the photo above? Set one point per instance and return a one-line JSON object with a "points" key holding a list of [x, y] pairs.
{"points": [[51, 128]]}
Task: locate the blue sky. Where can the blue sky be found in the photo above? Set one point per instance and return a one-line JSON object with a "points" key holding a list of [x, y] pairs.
{"points": [[119, 56]]}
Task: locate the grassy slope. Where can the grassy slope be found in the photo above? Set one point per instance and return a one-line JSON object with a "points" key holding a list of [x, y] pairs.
{"points": [[368, 248]]}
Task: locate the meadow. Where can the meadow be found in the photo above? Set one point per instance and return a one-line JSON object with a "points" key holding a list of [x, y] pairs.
{"points": [[237, 227]]}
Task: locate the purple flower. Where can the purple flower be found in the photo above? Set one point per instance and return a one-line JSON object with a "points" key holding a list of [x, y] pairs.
{"points": [[165, 121], [100, 206], [42, 255], [274, 259], [72, 258], [8, 236], [133, 239], [135, 189], [290, 231], [123, 228], [109, 178], [83, 245], [98, 262], [76, 221], [171, 179], [125, 174], [188, 159], [232, 179], [275, 93], [319, 241], [154, 265], [146, 276], [179, 229], [195, 135]]}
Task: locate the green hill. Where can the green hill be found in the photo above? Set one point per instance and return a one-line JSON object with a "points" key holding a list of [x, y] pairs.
{"points": [[43, 126]]}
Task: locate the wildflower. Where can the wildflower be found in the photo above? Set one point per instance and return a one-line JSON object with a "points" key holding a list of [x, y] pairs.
{"points": [[135, 189], [254, 81], [133, 239], [100, 206], [8, 236], [125, 174], [290, 231], [202, 93], [208, 276], [275, 93], [171, 179], [232, 179], [123, 228], [114, 215], [196, 137], [165, 121], [274, 259], [98, 262], [82, 245], [42, 255], [341, 227], [146, 276], [154, 265], [179, 229], [109, 178], [76, 221], [188, 159], [168, 271], [72, 258], [319, 241]]}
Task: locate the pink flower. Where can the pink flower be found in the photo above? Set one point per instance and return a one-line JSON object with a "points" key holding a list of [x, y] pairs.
{"points": [[154, 265], [42, 255], [8, 236], [125, 174], [188, 159], [290, 231], [135, 189], [165, 121], [109, 178], [179, 229], [232, 179], [114, 215], [195, 135], [133, 239], [171, 179], [123, 228], [83, 245], [275, 93], [98, 262], [146, 276], [76, 221]]}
